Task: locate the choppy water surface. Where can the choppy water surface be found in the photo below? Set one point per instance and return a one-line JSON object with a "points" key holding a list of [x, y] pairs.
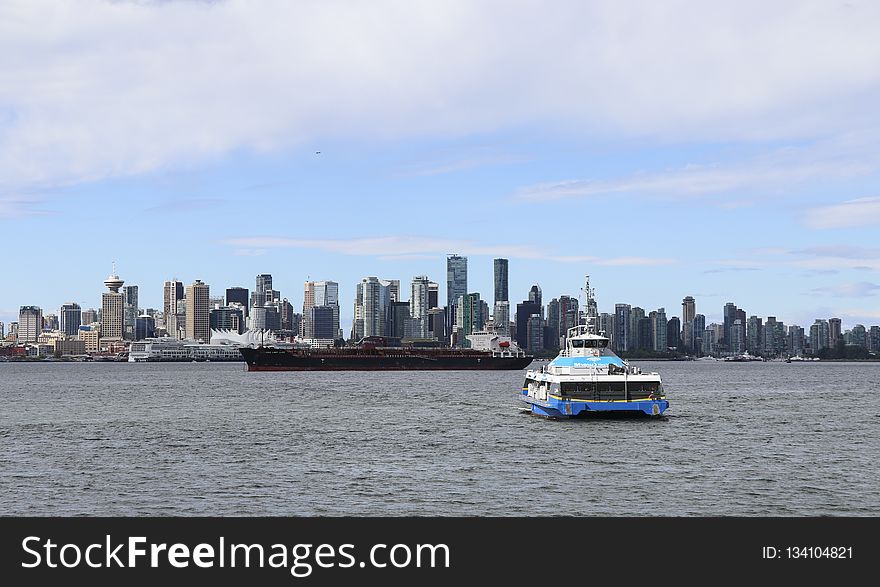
{"points": [[210, 439]]}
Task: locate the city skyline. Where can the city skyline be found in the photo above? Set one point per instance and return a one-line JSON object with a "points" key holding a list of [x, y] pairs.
{"points": [[745, 171]]}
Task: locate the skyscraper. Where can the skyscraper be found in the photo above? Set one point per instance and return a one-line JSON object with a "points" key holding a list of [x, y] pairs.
{"points": [[501, 266], [198, 311], [371, 303], [688, 309], [469, 317], [456, 283], [30, 323], [112, 309], [130, 311], [263, 289], [71, 318], [658, 330], [673, 332], [308, 304], [524, 311], [419, 304], [173, 294], [327, 294], [622, 328], [834, 331], [238, 295]]}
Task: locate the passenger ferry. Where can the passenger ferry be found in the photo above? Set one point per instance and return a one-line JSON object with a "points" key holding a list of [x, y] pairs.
{"points": [[587, 378]]}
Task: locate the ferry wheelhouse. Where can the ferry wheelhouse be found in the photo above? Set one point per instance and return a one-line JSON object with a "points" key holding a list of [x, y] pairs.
{"points": [[588, 378]]}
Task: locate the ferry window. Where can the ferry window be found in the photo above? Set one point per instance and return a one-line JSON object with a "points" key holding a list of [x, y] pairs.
{"points": [[603, 344], [577, 344]]}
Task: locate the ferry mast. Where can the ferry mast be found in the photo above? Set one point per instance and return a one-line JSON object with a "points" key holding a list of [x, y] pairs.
{"points": [[590, 313]]}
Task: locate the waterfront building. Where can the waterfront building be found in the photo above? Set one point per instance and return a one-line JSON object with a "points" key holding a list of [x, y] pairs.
{"points": [[437, 324], [501, 317], [373, 295], [819, 336], [71, 318], [469, 317], [535, 333], [755, 335], [227, 318], [795, 344], [673, 332], [873, 338], [637, 315], [173, 295], [737, 331], [707, 342], [658, 330], [688, 310], [145, 327], [264, 294], [397, 315], [265, 318], [433, 295], [308, 304], [699, 328], [238, 295], [50, 322], [419, 305], [30, 323], [774, 339], [501, 280], [113, 309], [2, 331], [456, 283], [524, 311], [729, 317], [606, 325], [198, 311], [834, 331], [622, 328], [642, 330], [859, 335], [89, 316], [130, 311], [91, 336], [326, 293]]}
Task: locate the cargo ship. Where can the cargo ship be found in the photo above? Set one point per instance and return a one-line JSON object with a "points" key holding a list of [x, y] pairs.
{"points": [[387, 354]]}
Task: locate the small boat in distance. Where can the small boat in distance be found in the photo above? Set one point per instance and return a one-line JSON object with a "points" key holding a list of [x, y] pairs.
{"points": [[588, 378]]}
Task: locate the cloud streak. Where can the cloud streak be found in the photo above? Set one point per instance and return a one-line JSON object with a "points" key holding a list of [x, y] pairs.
{"points": [[849, 214], [409, 247]]}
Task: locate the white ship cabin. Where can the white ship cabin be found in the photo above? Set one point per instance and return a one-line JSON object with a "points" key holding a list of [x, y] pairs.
{"points": [[583, 343]]}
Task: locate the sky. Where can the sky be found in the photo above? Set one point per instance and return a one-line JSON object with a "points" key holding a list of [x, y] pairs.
{"points": [[725, 150]]}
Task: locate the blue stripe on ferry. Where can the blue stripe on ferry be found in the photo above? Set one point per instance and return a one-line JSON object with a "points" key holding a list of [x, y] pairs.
{"points": [[586, 361]]}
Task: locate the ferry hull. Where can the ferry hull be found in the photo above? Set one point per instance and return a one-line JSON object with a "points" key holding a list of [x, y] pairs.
{"points": [[583, 408], [262, 360]]}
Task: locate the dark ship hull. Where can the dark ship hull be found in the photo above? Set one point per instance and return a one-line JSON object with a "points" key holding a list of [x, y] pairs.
{"points": [[403, 359]]}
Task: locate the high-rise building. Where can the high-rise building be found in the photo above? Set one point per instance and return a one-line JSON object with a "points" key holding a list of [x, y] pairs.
{"points": [[324, 323], [773, 338], [2, 331], [238, 295], [795, 341], [433, 295], [834, 331], [636, 316], [198, 311], [535, 295], [419, 304], [688, 309], [130, 311], [644, 333], [673, 332], [469, 317], [264, 289], [623, 337], [308, 304], [737, 337], [535, 333], [437, 324], [606, 325], [501, 318], [396, 318], [286, 315], [71, 318], [89, 316], [373, 295], [755, 335], [113, 309], [144, 327], [500, 274], [173, 295], [699, 328], [859, 335], [524, 311], [327, 294], [50, 322], [227, 318], [729, 317], [30, 323], [820, 336], [456, 283]]}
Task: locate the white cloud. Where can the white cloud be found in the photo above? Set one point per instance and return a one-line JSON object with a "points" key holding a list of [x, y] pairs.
{"points": [[842, 157], [860, 212], [91, 89]]}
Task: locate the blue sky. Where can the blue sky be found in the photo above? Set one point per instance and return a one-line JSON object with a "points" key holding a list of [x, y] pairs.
{"points": [[729, 151]]}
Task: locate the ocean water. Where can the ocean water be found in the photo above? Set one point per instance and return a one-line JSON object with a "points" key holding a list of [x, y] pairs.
{"points": [[740, 439]]}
